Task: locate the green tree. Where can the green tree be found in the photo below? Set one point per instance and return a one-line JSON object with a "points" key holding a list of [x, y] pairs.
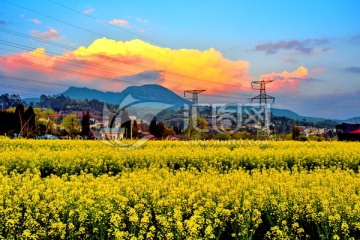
{"points": [[135, 130], [295, 132], [196, 133], [161, 130], [223, 136], [19, 119], [29, 128], [126, 123], [153, 128], [169, 131], [85, 126], [71, 124]]}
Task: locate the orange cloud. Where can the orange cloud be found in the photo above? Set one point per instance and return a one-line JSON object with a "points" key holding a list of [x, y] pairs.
{"points": [[106, 59], [119, 22], [49, 35], [286, 81]]}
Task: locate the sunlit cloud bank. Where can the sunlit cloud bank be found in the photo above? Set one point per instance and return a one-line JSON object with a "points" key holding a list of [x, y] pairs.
{"points": [[286, 81], [179, 70], [113, 65]]}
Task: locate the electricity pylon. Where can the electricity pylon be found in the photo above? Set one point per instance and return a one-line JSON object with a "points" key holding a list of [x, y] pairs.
{"points": [[194, 98], [263, 98], [192, 117]]}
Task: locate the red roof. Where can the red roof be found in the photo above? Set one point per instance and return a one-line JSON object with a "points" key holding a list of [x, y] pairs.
{"points": [[355, 131]]}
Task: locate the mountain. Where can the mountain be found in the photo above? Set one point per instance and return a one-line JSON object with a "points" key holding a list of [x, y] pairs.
{"points": [[292, 115], [87, 93], [151, 94], [352, 120]]}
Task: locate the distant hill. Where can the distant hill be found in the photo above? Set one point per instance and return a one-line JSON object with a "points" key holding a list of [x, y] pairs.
{"points": [[87, 93], [352, 120], [145, 93], [292, 115], [153, 93]]}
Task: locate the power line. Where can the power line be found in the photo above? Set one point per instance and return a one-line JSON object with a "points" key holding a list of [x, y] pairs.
{"points": [[33, 80], [122, 29], [84, 29], [61, 69], [100, 77], [66, 71], [72, 49], [98, 34], [81, 73], [21, 88], [107, 58], [140, 75]]}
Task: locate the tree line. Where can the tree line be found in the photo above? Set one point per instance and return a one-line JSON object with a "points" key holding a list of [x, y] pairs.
{"points": [[32, 122]]}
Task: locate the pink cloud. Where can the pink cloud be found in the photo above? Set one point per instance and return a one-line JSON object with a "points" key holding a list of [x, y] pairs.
{"points": [[286, 81], [119, 22], [34, 20], [51, 34]]}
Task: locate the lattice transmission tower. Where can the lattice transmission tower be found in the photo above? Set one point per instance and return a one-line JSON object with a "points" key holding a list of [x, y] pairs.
{"points": [[194, 95], [263, 100], [192, 113], [262, 97]]}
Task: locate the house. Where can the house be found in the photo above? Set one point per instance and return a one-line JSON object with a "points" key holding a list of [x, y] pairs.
{"points": [[112, 133], [348, 131]]}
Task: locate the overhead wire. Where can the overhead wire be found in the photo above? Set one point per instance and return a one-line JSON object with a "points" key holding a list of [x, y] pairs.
{"points": [[113, 59], [84, 29], [76, 61], [98, 34]]}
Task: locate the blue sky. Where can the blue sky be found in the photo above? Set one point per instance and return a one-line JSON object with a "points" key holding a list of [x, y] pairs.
{"points": [[311, 48]]}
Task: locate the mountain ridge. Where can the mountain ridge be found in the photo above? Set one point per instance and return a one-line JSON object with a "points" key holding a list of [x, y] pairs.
{"points": [[159, 94]]}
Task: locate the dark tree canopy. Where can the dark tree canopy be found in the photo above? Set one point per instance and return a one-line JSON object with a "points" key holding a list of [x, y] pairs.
{"points": [[153, 128], [7, 123], [126, 123], [29, 128], [19, 118], [85, 126]]}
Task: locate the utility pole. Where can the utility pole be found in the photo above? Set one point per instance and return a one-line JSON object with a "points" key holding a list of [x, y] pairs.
{"points": [[263, 98], [193, 112]]}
